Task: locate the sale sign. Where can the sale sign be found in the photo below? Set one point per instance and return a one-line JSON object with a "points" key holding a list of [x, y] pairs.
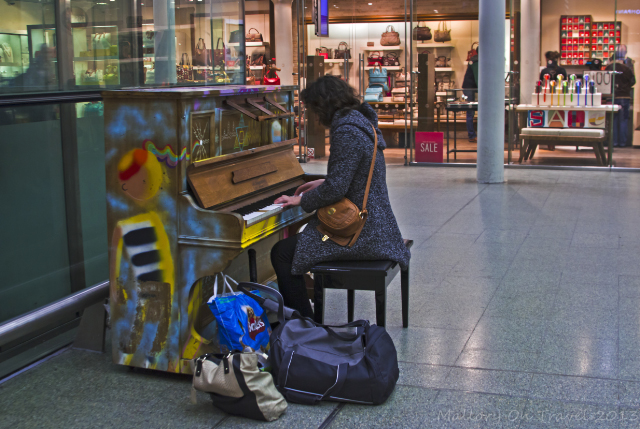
{"points": [[429, 146]]}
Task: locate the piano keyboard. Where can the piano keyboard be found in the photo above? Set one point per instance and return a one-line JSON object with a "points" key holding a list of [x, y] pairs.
{"points": [[263, 209]]}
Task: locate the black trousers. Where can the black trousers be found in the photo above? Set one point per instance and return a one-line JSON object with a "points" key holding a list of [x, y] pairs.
{"points": [[292, 287]]}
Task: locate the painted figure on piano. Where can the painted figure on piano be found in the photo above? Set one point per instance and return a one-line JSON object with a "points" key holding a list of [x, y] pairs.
{"points": [[352, 140], [141, 241]]}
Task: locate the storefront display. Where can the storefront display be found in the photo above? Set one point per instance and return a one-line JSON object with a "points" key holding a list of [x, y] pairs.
{"points": [[582, 39]]}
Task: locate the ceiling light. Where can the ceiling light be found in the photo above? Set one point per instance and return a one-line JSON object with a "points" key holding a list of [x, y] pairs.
{"points": [[370, 4], [435, 11]]}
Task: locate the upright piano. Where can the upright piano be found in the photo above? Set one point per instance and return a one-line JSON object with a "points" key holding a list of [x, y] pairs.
{"points": [[192, 174]]}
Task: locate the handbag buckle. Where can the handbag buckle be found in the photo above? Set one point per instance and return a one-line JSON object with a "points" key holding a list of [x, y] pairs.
{"points": [[325, 238]]}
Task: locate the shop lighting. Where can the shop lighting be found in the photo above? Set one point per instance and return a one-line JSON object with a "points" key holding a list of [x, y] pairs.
{"points": [[370, 4]]}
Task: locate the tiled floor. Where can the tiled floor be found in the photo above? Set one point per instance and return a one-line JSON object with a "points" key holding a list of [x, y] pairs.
{"points": [[524, 313]]}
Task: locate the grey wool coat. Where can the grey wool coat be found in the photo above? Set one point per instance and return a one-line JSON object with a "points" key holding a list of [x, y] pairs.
{"points": [[351, 152]]}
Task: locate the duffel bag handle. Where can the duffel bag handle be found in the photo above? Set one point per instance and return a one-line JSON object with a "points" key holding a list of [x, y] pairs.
{"points": [[269, 304], [308, 397]]}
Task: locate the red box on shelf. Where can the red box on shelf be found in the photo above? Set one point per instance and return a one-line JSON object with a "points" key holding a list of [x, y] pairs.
{"points": [[605, 54], [612, 47], [580, 55], [618, 33], [587, 19], [581, 62], [606, 40], [575, 19], [581, 27], [564, 55], [581, 40], [564, 20], [606, 26], [594, 40], [617, 40]]}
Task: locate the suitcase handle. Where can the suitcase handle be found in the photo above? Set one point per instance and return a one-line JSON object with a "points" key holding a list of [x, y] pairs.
{"points": [[267, 303]]}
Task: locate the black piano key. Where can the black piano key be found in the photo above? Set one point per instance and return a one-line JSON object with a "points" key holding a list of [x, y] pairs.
{"points": [[263, 202]]}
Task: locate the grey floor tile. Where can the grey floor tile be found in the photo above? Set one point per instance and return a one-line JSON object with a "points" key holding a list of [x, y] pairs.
{"points": [[503, 236], [407, 407], [299, 416], [629, 364], [578, 329], [477, 290], [454, 409], [558, 414], [579, 356], [580, 389], [502, 360], [423, 375], [597, 241], [488, 381], [430, 345], [629, 393], [522, 306], [482, 269], [444, 240], [502, 334]]}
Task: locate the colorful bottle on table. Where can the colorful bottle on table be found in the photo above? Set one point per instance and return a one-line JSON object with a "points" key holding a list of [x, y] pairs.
{"points": [[586, 88], [578, 92]]}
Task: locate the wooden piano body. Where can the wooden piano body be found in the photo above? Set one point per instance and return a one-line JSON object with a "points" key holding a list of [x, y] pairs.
{"points": [[182, 164]]}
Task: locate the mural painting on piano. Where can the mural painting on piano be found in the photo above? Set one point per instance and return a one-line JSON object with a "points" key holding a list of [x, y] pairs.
{"points": [[144, 311]]}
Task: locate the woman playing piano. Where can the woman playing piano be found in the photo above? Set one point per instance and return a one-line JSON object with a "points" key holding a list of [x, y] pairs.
{"points": [[352, 140]]}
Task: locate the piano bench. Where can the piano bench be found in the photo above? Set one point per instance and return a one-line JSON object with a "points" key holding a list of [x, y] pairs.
{"points": [[361, 275]]}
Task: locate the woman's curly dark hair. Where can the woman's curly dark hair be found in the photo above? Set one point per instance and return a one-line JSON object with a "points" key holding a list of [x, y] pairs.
{"points": [[329, 95]]}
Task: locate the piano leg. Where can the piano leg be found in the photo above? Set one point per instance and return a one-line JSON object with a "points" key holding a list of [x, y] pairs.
{"points": [[253, 269]]}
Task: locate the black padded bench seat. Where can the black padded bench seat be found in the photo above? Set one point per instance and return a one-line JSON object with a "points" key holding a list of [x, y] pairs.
{"points": [[361, 275]]}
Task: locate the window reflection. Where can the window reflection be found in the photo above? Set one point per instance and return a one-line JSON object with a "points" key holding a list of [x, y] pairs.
{"points": [[118, 43]]}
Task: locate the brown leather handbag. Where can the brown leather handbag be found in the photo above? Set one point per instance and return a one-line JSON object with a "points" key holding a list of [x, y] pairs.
{"points": [[342, 222]]}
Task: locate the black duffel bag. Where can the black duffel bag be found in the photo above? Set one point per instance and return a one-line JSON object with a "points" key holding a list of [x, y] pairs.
{"points": [[312, 362]]}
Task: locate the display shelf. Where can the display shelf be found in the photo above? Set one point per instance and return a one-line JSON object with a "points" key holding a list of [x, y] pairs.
{"points": [[435, 45], [334, 61], [250, 44], [444, 69], [381, 48], [385, 67], [95, 58], [3, 64]]}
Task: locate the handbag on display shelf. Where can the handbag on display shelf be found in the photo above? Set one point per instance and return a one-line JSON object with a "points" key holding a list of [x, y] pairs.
{"points": [[184, 69], [323, 52], [402, 80], [254, 37], [219, 55], [441, 61], [473, 51], [390, 37], [391, 59], [398, 95], [446, 83], [7, 53], [377, 72], [342, 52], [270, 77], [443, 35], [235, 36], [202, 55], [370, 44], [374, 58], [373, 93], [257, 59], [422, 33]]}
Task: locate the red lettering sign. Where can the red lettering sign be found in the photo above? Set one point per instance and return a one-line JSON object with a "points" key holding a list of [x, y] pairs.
{"points": [[429, 146]]}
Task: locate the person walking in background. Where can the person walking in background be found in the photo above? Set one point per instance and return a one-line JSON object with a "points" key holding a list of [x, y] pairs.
{"points": [[553, 69], [624, 81], [470, 85]]}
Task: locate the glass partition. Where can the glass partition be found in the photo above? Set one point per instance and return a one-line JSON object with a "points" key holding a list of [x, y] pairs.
{"points": [[118, 43]]}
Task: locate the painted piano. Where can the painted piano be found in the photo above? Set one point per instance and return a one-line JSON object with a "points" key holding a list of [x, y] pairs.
{"points": [[191, 177]]}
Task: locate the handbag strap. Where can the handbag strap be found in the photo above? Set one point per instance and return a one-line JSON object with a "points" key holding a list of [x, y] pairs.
{"points": [[390, 27], [345, 45], [373, 164], [474, 43], [253, 29], [392, 55], [218, 43], [204, 46], [375, 54]]}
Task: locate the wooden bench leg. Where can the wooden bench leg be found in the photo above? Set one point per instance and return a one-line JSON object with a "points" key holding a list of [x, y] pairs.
{"points": [[596, 151], [381, 305], [318, 300], [351, 298], [404, 286], [532, 151], [523, 149]]}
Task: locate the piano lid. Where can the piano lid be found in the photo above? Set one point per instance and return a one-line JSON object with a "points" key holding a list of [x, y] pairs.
{"points": [[222, 179]]}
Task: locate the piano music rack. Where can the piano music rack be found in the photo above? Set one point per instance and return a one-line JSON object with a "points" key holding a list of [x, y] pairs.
{"points": [[269, 114]]}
